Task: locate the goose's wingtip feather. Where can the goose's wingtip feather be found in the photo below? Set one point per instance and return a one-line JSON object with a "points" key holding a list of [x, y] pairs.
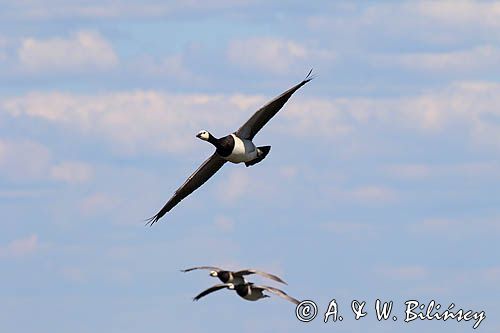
{"points": [[310, 76], [152, 220], [307, 76]]}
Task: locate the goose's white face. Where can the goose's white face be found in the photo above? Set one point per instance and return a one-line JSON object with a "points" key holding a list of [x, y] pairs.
{"points": [[213, 273], [204, 135], [231, 286]]}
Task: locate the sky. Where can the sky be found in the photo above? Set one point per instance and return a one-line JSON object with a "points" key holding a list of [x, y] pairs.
{"points": [[383, 181]]}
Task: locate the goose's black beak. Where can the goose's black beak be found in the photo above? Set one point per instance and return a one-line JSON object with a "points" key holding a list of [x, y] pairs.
{"points": [[198, 135]]}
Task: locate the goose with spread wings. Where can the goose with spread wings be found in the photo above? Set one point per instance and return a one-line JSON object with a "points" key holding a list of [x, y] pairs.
{"points": [[237, 147], [237, 277], [248, 291]]}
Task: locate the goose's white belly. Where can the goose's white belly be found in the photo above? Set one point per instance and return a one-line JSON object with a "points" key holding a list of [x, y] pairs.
{"points": [[243, 151]]}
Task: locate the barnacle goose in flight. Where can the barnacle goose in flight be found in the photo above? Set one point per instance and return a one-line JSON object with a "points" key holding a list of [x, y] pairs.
{"points": [[235, 278], [236, 148], [248, 291]]}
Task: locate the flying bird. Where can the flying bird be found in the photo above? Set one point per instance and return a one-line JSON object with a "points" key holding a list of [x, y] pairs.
{"points": [[237, 147], [248, 291], [235, 278]]}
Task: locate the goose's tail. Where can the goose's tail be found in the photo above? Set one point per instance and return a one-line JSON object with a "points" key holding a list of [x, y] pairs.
{"points": [[262, 153]]}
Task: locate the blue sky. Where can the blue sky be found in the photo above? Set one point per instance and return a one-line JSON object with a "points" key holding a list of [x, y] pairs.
{"points": [[383, 180]]}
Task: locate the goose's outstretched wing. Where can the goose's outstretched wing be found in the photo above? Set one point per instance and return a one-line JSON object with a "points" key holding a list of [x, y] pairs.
{"points": [[213, 268], [279, 293], [265, 113], [264, 274], [211, 290], [198, 178]]}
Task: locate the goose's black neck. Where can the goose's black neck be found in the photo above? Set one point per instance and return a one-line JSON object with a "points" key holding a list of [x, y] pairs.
{"points": [[224, 276], [213, 140]]}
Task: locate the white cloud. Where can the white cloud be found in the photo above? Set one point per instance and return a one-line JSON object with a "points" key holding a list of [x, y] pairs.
{"points": [[470, 106], [486, 57], [410, 23], [274, 54], [20, 247], [24, 160], [459, 12], [84, 50], [320, 117], [265, 53], [153, 121], [71, 172], [132, 121]]}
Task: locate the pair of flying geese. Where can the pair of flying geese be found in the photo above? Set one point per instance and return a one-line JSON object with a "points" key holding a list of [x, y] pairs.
{"points": [[236, 281], [236, 148]]}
